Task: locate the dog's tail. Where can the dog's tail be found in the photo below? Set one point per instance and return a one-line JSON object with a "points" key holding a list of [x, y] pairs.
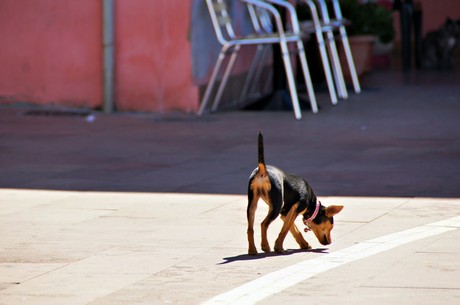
{"points": [[262, 167]]}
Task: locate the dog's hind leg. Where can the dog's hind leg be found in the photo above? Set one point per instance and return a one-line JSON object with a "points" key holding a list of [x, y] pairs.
{"points": [[273, 212], [264, 228], [288, 223], [251, 211]]}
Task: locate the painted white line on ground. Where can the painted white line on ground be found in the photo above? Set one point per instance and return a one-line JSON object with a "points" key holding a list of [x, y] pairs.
{"points": [[272, 283]]}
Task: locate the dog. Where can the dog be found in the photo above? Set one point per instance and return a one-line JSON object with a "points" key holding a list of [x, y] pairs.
{"points": [[288, 195]]}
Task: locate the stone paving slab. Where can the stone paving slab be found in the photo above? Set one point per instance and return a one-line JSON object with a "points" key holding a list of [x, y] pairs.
{"points": [[148, 248]]}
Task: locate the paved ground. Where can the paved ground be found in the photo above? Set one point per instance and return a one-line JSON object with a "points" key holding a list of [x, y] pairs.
{"points": [[147, 209]]}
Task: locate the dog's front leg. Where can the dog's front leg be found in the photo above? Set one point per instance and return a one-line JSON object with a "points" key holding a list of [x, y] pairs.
{"points": [[299, 238], [288, 223]]}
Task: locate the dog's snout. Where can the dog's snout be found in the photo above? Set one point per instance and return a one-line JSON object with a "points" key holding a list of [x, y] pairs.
{"points": [[325, 241]]}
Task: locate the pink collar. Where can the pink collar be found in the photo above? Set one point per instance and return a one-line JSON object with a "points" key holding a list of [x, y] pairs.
{"points": [[315, 213]]}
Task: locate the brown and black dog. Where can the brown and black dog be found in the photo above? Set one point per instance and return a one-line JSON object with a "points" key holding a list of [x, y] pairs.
{"points": [[289, 196]]}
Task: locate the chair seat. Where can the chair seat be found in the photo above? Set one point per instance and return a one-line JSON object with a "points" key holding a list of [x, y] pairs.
{"points": [[255, 39], [335, 23], [309, 27]]}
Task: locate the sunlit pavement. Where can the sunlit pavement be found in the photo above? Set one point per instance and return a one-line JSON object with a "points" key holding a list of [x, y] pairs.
{"points": [[148, 209], [61, 247]]}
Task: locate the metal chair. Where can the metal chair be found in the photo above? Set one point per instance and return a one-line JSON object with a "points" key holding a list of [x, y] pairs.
{"points": [[231, 43], [315, 27], [339, 24], [318, 28], [296, 32]]}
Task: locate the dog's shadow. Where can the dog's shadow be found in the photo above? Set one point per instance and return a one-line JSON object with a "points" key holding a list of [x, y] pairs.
{"points": [[247, 257]]}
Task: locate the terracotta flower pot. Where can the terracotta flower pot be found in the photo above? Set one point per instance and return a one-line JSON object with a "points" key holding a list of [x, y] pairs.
{"points": [[361, 49]]}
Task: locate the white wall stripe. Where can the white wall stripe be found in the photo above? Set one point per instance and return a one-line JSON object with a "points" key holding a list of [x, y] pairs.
{"points": [[272, 283]]}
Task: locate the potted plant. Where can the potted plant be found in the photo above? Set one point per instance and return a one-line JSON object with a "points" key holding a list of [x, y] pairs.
{"points": [[369, 23]]}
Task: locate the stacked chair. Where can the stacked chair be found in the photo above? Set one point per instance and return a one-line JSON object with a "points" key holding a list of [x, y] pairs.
{"points": [[231, 44], [264, 15], [319, 29], [338, 24]]}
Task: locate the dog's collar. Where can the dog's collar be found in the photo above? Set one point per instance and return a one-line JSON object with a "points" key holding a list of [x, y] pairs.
{"points": [[315, 213]]}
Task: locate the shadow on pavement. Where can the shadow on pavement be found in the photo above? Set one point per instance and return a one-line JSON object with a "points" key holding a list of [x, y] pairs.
{"points": [[247, 257]]}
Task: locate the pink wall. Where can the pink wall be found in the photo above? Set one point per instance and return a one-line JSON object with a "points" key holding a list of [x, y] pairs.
{"points": [[154, 71], [436, 12], [50, 52], [434, 15]]}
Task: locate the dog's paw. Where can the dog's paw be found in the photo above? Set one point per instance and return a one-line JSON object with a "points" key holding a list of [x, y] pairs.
{"points": [[266, 248], [252, 251], [279, 247], [305, 246]]}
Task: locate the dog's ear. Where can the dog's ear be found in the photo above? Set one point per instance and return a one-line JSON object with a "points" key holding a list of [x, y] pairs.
{"points": [[333, 209]]}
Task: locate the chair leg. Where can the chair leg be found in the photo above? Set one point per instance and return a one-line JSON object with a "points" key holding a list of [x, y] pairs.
{"points": [[332, 49], [322, 50], [212, 81], [326, 67], [306, 74], [336, 68], [225, 78], [290, 79], [348, 55]]}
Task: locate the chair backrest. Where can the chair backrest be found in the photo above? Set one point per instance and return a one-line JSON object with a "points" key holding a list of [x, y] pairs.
{"points": [[314, 13], [221, 20], [337, 9], [261, 19], [323, 11]]}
